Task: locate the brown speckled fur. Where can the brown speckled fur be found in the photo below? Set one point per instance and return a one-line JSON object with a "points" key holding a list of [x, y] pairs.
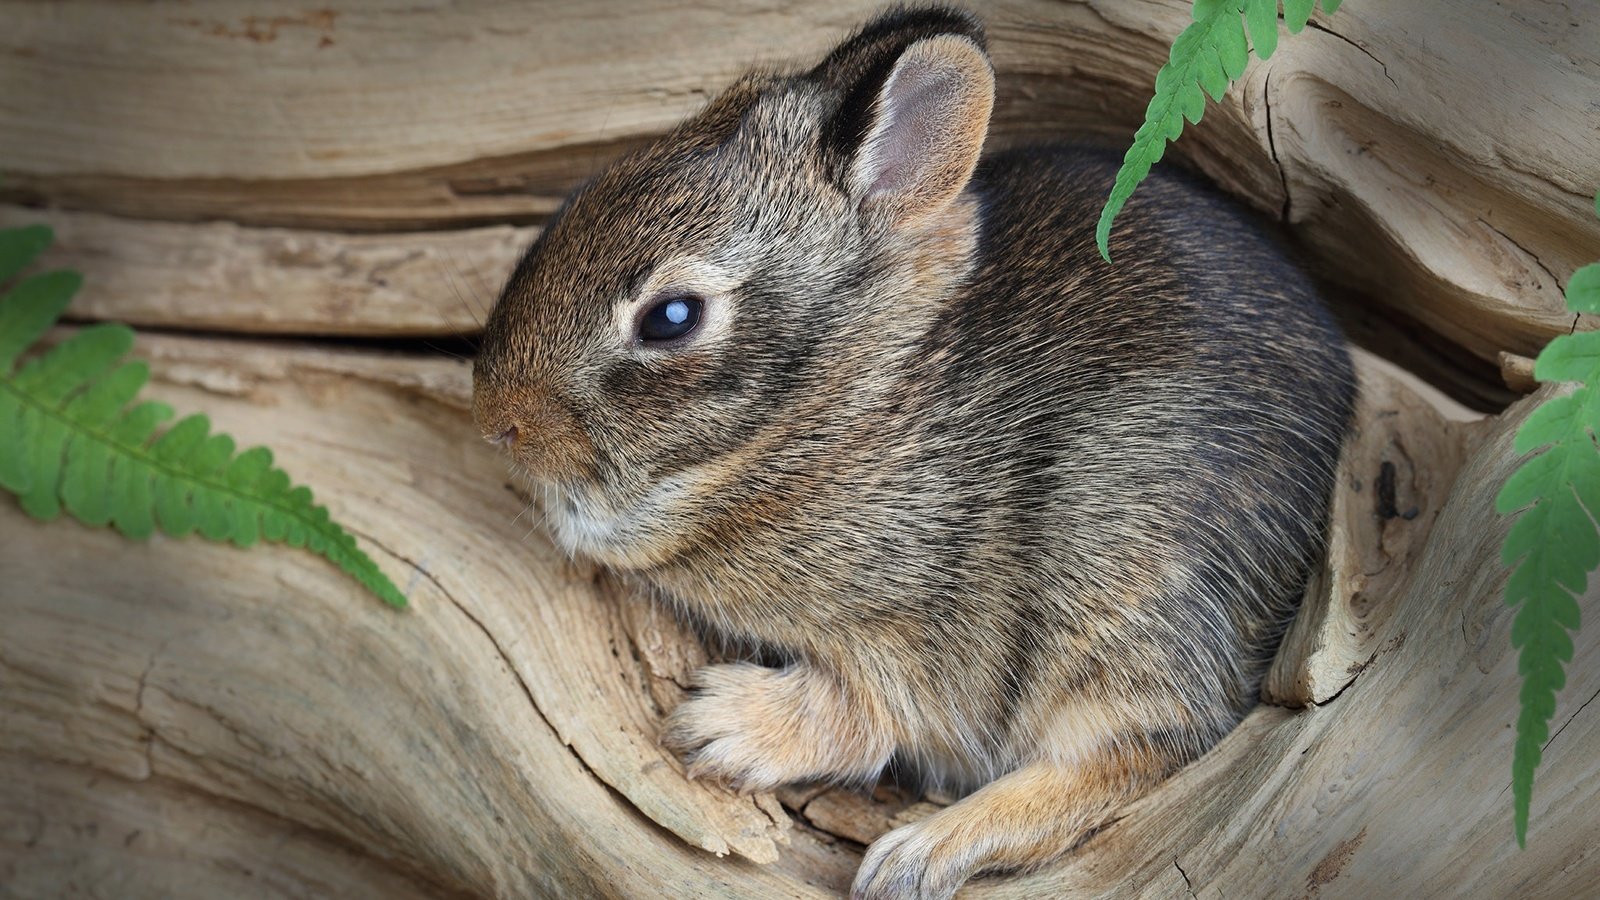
{"points": [[1007, 516]]}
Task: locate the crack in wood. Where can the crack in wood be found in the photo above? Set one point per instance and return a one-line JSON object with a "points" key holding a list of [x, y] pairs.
{"points": [[1314, 26], [1272, 148], [1531, 255], [1575, 714], [1187, 884]]}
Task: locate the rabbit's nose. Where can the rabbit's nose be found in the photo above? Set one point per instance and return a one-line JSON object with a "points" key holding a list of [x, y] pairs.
{"points": [[543, 434]]}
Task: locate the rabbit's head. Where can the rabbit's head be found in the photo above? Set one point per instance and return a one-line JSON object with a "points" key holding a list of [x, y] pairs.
{"points": [[737, 286]]}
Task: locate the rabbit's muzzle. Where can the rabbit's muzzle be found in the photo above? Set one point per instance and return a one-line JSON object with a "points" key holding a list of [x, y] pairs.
{"points": [[542, 433]]}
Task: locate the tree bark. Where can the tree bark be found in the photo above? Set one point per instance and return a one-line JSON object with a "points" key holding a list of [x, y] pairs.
{"points": [[181, 718]]}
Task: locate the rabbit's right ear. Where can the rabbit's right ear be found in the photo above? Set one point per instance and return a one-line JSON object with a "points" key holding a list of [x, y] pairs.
{"points": [[917, 90]]}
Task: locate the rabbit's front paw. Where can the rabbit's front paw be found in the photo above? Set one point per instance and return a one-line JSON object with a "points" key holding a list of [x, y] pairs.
{"points": [[755, 728]]}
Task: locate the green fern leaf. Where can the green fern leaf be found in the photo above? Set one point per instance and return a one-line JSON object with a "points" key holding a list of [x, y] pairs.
{"points": [[1296, 13], [20, 246], [1554, 545], [1210, 54], [1569, 357], [1583, 290], [70, 440], [1262, 21]]}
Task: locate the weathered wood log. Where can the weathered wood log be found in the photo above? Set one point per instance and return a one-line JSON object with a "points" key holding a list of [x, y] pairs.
{"points": [[498, 738], [1405, 449], [190, 719], [219, 276], [1434, 156], [223, 673]]}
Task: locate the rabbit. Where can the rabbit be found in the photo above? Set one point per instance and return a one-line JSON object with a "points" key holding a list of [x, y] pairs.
{"points": [[1004, 516]]}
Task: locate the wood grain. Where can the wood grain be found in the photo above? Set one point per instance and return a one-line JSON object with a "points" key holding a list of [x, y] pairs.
{"points": [[498, 738], [1406, 446], [224, 670], [179, 718], [218, 276], [1432, 156]]}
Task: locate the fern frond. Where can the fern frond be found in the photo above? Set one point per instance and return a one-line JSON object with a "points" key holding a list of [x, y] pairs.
{"points": [[1554, 545], [70, 440], [1208, 56]]}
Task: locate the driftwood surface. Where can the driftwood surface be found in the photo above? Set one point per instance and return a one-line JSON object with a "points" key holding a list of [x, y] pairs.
{"points": [[179, 718], [1436, 156]]}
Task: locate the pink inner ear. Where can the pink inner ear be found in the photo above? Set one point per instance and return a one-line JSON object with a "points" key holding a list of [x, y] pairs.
{"points": [[932, 114], [915, 107]]}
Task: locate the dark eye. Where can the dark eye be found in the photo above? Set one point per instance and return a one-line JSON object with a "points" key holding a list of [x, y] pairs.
{"points": [[669, 319]]}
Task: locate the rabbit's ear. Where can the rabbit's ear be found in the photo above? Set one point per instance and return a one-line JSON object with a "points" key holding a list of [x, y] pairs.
{"points": [[916, 90], [928, 129]]}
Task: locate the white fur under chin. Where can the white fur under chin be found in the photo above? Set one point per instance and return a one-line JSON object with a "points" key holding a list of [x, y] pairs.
{"points": [[589, 524]]}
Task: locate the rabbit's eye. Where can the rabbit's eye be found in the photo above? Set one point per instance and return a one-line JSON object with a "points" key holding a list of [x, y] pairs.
{"points": [[670, 319]]}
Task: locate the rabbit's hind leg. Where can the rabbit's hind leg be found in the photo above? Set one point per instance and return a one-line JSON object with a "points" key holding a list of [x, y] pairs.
{"points": [[1018, 822]]}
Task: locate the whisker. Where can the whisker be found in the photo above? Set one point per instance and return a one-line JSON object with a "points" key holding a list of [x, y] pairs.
{"points": [[432, 346], [483, 288], [451, 274], [524, 511]]}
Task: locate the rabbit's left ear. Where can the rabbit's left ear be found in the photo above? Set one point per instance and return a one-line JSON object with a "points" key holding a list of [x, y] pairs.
{"points": [[924, 130]]}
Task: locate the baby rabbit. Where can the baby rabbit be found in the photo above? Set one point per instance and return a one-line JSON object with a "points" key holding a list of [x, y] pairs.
{"points": [[1010, 517]]}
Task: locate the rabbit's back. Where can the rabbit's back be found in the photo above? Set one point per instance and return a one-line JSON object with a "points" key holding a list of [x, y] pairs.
{"points": [[1161, 432]]}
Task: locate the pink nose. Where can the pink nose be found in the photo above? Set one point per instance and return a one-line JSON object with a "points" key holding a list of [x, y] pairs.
{"points": [[507, 438]]}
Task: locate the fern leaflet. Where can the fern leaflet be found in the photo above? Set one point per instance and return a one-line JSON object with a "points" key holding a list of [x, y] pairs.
{"points": [[1553, 545], [1208, 56], [70, 440]]}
